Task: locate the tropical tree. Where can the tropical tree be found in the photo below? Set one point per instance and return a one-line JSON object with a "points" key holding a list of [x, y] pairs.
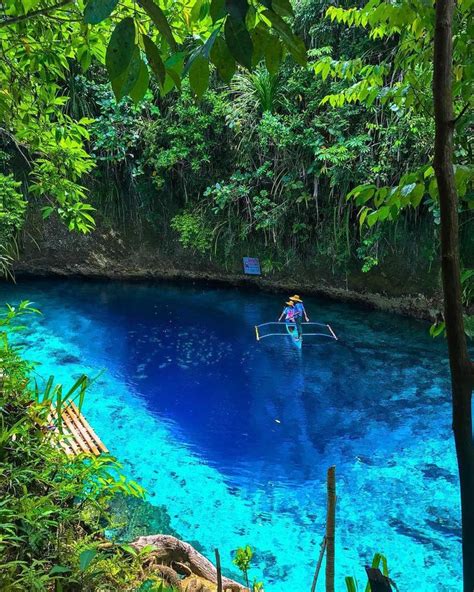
{"points": [[402, 80]]}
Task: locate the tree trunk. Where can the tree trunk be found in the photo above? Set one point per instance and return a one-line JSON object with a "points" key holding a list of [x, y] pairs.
{"points": [[462, 369], [172, 551]]}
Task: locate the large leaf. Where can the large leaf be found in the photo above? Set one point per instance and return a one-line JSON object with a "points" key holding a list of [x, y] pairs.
{"points": [[159, 18], [141, 85], [174, 67], [217, 10], [273, 55], [86, 557], [294, 44], [203, 51], [98, 10], [223, 60], [238, 41], [123, 84], [154, 59], [282, 7], [199, 75], [121, 48], [260, 36], [237, 9]]}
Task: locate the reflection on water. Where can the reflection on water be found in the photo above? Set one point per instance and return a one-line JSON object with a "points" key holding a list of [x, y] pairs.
{"points": [[235, 436]]}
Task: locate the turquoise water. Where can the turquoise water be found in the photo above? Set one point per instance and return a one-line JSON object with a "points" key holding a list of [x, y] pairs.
{"points": [[235, 436]]}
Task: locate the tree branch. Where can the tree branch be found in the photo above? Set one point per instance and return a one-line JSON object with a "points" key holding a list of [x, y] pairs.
{"points": [[464, 109], [42, 11]]}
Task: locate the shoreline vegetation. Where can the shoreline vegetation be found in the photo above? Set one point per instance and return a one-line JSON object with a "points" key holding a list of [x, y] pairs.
{"points": [[332, 140]]}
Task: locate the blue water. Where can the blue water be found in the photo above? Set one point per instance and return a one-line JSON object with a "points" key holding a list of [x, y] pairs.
{"points": [[235, 436]]}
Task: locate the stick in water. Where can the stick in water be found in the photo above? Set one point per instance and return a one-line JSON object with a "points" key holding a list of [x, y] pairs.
{"points": [[318, 566], [330, 528], [219, 572]]}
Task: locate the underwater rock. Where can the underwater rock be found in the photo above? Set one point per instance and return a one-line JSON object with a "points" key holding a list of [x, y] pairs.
{"points": [[133, 517], [432, 471], [69, 359]]}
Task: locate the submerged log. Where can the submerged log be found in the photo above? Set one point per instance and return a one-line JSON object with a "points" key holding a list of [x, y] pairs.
{"points": [[171, 551]]}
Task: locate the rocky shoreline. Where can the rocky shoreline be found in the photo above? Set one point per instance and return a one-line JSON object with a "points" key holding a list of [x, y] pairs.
{"points": [[415, 306], [49, 250]]}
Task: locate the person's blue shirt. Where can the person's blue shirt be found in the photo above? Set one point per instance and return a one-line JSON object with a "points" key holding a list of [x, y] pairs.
{"points": [[299, 309]]}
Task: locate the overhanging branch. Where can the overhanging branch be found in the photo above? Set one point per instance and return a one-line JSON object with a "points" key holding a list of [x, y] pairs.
{"points": [[40, 12]]}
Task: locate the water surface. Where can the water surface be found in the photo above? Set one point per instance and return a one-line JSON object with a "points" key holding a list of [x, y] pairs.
{"points": [[235, 436]]}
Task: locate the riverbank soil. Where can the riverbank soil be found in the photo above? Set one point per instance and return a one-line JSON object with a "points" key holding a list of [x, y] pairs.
{"points": [[48, 249]]}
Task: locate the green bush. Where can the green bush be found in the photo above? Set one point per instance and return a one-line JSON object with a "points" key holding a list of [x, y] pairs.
{"points": [[53, 507]]}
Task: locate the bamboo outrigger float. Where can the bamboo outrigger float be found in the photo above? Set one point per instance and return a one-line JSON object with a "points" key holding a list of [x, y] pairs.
{"points": [[77, 436], [281, 329]]}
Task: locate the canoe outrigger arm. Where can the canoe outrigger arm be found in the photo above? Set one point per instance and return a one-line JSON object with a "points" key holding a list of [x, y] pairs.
{"points": [[256, 333], [330, 335]]}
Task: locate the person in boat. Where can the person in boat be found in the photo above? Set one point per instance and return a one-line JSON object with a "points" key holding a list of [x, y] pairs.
{"points": [[288, 312], [300, 313]]}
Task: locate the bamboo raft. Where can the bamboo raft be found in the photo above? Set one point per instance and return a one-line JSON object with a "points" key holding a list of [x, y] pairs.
{"points": [[78, 437]]}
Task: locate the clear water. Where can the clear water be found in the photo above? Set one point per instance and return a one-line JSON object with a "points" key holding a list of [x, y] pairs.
{"points": [[235, 436]]}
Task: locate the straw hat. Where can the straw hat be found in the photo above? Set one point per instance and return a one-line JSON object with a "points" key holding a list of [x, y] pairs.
{"points": [[290, 303], [296, 298]]}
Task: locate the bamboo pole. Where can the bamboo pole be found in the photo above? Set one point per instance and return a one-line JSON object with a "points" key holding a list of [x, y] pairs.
{"points": [[318, 565], [330, 528], [219, 572]]}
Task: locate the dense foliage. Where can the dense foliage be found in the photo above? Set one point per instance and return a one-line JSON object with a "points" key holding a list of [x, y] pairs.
{"points": [[299, 156], [54, 508]]}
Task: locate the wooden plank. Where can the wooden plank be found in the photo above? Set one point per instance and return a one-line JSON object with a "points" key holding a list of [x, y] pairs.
{"points": [[75, 437], [78, 436], [87, 425], [80, 429]]}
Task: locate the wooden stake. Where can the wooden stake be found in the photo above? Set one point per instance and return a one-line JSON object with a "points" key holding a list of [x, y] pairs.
{"points": [[219, 572], [330, 528], [318, 566]]}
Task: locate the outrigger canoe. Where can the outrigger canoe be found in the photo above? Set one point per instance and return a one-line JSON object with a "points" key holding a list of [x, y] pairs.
{"points": [[291, 330]]}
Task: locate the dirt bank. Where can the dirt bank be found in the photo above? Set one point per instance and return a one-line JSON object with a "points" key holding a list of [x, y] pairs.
{"points": [[53, 251]]}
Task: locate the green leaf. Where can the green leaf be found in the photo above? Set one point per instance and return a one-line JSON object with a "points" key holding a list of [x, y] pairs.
{"points": [[261, 37], [174, 67], [217, 10], [121, 48], [98, 10], [237, 9], [199, 76], [351, 584], [86, 557], [159, 18], [59, 569], [238, 41], [223, 60], [407, 189], [273, 56], [282, 7], [437, 329], [29, 4], [141, 86], [372, 218], [294, 44], [123, 84], [417, 195], [196, 11], [154, 59]]}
